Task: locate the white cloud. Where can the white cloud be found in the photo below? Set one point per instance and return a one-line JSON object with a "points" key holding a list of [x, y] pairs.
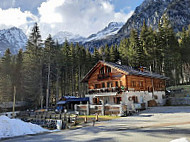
{"points": [[15, 17], [82, 17], [48, 11]]}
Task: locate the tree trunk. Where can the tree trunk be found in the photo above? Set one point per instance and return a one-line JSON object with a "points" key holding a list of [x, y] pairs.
{"points": [[48, 84], [41, 90], [72, 83], [57, 87], [79, 92]]}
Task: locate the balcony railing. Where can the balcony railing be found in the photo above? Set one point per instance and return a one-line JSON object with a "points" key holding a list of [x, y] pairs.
{"points": [[105, 90]]}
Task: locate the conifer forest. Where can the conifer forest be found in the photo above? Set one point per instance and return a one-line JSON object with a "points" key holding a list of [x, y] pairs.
{"points": [[46, 71]]}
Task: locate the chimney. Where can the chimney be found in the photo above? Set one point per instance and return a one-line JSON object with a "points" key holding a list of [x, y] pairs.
{"points": [[119, 62], [141, 68]]}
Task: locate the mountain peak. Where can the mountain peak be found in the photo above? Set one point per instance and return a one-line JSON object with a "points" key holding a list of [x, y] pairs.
{"points": [[12, 38], [64, 35], [111, 29], [152, 11], [114, 24]]}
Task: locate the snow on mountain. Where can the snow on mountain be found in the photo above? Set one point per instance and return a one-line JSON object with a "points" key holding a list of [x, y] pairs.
{"points": [[111, 29], [150, 11], [12, 38], [62, 36]]}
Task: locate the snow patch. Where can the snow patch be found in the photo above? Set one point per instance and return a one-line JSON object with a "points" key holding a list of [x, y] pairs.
{"points": [[111, 29], [62, 36], [180, 140], [16, 127]]}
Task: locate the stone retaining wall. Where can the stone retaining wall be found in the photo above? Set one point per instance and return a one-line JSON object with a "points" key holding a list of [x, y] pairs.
{"points": [[179, 101]]}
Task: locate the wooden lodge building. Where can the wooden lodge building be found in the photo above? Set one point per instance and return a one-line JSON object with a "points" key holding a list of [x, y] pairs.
{"points": [[113, 84]]}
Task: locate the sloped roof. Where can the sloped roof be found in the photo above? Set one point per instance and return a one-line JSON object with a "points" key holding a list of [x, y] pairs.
{"points": [[124, 69], [73, 100]]}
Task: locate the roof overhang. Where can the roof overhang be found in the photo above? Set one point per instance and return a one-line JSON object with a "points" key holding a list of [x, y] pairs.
{"points": [[123, 70], [98, 64]]}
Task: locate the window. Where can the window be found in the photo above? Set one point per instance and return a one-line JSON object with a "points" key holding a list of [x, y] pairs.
{"points": [[103, 85], [141, 84], [108, 69], [155, 97], [102, 70], [161, 84], [121, 83], [117, 100], [135, 99], [108, 84], [116, 84], [97, 86], [133, 84], [96, 100]]}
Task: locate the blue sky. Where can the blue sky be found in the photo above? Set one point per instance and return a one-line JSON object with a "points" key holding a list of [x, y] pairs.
{"points": [[126, 5], [82, 17]]}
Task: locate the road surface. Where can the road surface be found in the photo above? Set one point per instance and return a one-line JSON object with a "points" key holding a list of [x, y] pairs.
{"points": [[159, 124]]}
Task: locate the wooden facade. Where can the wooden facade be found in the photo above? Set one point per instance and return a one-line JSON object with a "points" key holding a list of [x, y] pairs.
{"points": [[105, 76]]}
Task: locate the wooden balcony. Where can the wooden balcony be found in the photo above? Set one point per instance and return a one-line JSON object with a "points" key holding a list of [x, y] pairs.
{"points": [[105, 90]]}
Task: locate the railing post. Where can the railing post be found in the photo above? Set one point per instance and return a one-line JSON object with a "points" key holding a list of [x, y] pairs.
{"points": [[121, 109], [88, 108], [96, 116], [103, 110], [85, 119]]}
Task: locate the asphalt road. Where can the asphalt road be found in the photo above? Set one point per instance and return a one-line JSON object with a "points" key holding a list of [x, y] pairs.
{"points": [[160, 124]]}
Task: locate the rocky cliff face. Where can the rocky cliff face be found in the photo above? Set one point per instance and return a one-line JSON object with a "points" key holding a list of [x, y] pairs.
{"points": [[151, 11]]}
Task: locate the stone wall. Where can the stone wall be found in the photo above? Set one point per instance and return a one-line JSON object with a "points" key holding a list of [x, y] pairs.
{"points": [[179, 101]]}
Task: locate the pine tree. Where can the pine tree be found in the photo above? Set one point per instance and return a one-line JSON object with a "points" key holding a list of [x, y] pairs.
{"points": [[123, 51], [18, 74], [32, 68], [168, 45], [107, 53], [6, 78], [134, 51], [49, 54], [96, 56], [185, 53], [112, 54]]}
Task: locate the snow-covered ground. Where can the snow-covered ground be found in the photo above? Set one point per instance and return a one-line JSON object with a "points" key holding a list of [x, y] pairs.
{"points": [[16, 127], [180, 140]]}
